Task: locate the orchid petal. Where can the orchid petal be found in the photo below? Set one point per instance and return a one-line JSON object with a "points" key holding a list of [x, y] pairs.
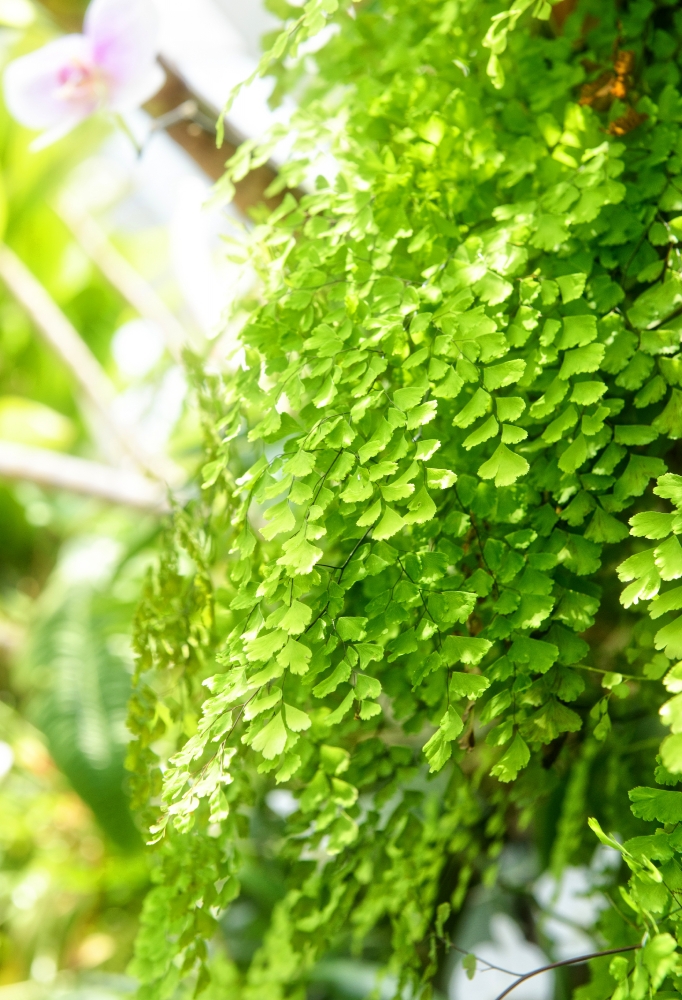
{"points": [[135, 93], [34, 87], [124, 35]]}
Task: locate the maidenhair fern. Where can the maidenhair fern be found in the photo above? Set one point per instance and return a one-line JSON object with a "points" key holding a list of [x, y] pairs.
{"points": [[397, 596]]}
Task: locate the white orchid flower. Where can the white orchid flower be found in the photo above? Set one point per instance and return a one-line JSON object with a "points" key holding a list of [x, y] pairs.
{"points": [[110, 67]]}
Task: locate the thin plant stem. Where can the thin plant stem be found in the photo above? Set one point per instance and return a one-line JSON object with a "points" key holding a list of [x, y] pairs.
{"points": [[566, 961], [484, 961]]}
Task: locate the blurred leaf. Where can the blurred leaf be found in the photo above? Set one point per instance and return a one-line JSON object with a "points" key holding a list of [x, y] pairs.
{"points": [[32, 423], [79, 689]]}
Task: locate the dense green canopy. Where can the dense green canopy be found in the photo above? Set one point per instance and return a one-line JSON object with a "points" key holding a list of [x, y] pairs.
{"points": [[400, 595]]}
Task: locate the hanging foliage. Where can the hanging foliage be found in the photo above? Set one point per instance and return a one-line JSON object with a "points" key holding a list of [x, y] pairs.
{"points": [[398, 596]]}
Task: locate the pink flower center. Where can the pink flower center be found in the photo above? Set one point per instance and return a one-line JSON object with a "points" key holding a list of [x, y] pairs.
{"points": [[80, 81]]}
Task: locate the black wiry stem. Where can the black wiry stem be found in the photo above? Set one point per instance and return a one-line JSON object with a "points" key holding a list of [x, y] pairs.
{"points": [[566, 961]]}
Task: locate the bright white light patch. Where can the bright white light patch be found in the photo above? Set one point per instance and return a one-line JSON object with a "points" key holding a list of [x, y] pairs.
{"points": [[281, 802], [43, 968], [16, 13], [137, 346], [28, 892], [6, 758], [507, 950], [89, 559]]}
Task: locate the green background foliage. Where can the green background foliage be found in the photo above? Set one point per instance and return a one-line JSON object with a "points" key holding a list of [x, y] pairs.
{"points": [[72, 868]]}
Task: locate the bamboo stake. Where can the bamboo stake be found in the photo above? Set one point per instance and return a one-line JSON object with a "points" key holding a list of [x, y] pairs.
{"points": [[78, 475], [65, 340], [123, 276]]}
